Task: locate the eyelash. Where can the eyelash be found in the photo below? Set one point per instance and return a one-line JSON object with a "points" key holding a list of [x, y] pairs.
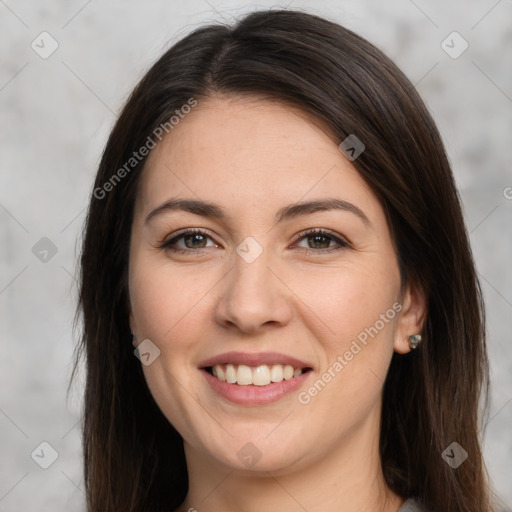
{"points": [[303, 234]]}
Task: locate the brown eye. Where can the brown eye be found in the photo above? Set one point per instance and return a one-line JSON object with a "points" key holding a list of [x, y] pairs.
{"points": [[192, 239], [320, 240]]}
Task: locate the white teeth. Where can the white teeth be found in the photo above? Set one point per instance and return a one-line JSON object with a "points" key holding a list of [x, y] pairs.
{"points": [[244, 375], [261, 376], [230, 374], [220, 374], [276, 374], [288, 372]]}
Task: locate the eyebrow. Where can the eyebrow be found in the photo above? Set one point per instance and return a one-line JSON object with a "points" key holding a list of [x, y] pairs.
{"points": [[215, 211]]}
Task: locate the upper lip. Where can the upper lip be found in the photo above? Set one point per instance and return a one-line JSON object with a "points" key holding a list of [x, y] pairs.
{"points": [[252, 359]]}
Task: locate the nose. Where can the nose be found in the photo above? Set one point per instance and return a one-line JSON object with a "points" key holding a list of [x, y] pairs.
{"points": [[253, 296]]}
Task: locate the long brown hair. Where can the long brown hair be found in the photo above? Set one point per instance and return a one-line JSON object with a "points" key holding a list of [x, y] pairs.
{"points": [[133, 457]]}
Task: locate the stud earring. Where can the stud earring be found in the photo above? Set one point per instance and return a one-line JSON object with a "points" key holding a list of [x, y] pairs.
{"points": [[414, 340]]}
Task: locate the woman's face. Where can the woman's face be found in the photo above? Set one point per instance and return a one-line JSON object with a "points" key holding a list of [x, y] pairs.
{"points": [[254, 291]]}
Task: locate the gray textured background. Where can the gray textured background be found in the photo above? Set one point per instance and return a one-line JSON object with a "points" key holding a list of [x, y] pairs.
{"points": [[56, 114]]}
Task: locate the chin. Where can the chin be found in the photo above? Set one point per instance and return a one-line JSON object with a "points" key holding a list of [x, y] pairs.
{"points": [[255, 454]]}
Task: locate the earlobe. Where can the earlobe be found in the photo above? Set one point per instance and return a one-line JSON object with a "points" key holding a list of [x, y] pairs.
{"points": [[414, 341], [411, 321]]}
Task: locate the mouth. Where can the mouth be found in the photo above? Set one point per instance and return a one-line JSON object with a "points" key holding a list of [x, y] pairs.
{"points": [[262, 375], [252, 379]]}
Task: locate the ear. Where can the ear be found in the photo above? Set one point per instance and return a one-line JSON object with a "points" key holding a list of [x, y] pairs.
{"points": [[412, 317]]}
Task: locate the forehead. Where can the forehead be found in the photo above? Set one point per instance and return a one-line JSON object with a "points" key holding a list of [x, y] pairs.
{"points": [[251, 152]]}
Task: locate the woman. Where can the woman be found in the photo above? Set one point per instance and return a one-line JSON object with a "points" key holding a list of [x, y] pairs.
{"points": [[275, 226]]}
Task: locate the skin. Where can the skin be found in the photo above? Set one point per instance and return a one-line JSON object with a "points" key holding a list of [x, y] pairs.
{"points": [[253, 157]]}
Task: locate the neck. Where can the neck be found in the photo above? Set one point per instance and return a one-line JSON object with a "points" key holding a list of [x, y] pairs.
{"points": [[349, 479]]}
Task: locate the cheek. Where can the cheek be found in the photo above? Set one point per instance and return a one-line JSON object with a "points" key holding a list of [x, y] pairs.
{"points": [[166, 307], [344, 302], [350, 313], [162, 299], [353, 316]]}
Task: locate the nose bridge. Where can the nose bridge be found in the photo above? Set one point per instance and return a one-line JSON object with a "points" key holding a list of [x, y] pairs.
{"points": [[250, 276], [252, 296]]}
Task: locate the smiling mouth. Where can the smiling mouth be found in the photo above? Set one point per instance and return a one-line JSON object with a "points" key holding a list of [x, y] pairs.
{"points": [[262, 375]]}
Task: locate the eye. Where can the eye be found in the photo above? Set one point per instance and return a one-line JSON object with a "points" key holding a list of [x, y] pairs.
{"points": [[196, 239], [193, 239], [321, 239]]}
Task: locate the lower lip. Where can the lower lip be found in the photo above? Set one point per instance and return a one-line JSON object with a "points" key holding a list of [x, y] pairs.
{"points": [[255, 395]]}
